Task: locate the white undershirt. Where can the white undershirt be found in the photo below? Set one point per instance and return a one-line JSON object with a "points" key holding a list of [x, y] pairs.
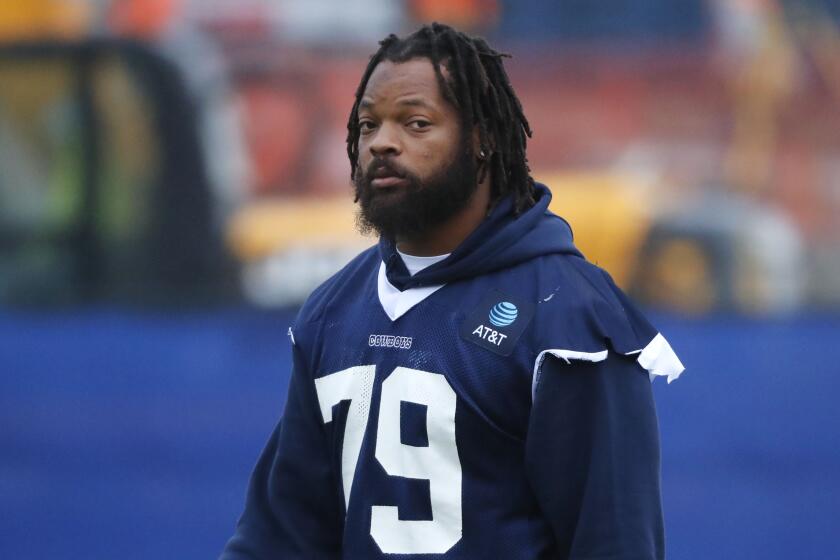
{"points": [[415, 264]]}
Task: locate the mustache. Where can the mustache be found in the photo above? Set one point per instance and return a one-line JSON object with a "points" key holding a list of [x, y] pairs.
{"points": [[382, 167]]}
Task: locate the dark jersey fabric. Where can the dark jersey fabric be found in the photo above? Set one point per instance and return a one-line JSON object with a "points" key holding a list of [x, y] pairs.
{"points": [[503, 416]]}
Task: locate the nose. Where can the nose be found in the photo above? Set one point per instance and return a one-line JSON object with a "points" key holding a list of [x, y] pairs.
{"points": [[385, 141]]}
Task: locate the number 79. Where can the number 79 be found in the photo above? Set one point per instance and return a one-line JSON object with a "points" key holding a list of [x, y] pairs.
{"points": [[438, 462]]}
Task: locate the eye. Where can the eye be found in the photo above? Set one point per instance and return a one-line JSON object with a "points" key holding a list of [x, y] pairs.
{"points": [[366, 126], [419, 124]]}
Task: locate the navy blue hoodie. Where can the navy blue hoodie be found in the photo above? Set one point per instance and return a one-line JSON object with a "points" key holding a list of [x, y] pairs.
{"points": [[496, 404]]}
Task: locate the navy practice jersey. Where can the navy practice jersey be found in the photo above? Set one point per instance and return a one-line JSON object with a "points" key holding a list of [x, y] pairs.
{"points": [[495, 405]]}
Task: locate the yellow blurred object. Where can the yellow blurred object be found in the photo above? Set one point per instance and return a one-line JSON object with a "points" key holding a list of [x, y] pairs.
{"points": [[609, 214], [680, 277], [38, 19], [763, 85], [271, 226], [28, 88]]}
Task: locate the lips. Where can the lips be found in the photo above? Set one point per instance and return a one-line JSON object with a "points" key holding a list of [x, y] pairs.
{"points": [[389, 181], [384, 176]]}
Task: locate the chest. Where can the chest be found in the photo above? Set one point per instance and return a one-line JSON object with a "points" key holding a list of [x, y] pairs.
{"points": [[434, 341]]}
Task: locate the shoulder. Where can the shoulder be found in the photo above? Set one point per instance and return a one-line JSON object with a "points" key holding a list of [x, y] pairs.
{"points": [[582, 307], [587, 317], [351, 279]]}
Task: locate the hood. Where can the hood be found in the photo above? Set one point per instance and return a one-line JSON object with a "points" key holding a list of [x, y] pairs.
{"points": [[502, 240]]}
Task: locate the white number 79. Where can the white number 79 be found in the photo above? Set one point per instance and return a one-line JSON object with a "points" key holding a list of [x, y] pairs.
{"points": [[438, 463]]}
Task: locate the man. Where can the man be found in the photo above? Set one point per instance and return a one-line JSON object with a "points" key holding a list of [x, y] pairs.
{"points": [[472, 387]]}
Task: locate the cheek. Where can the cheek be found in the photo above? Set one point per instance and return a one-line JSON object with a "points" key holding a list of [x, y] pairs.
{"points": [[428, 161], [437, 150], [362, 148], [363, 158]]}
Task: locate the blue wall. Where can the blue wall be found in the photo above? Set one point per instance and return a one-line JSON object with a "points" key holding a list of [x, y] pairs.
{"points": [[131, 436]]}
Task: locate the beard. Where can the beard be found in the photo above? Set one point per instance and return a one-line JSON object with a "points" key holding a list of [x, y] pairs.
{"points": [[411, 210]]}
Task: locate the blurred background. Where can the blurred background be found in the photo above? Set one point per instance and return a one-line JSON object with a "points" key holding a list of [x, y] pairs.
{"points": [[174, 182]]}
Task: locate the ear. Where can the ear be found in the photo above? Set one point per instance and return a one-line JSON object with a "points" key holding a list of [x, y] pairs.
{"points": [[482, 154]]}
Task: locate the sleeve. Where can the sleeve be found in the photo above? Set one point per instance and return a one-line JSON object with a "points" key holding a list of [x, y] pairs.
{"points": [[292, 509], [592, 455]]}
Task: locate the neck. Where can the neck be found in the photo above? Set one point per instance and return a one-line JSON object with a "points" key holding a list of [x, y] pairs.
{"points": [[448, 235]]}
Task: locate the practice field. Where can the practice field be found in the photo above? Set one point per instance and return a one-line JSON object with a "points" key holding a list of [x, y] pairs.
{"points": [[131, 435]]}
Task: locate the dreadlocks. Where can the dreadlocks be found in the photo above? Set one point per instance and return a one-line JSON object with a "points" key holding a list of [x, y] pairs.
{"points": [[479, 88]]}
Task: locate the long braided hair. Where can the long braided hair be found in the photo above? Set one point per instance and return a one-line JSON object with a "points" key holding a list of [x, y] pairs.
{"points": [[479, 88]]}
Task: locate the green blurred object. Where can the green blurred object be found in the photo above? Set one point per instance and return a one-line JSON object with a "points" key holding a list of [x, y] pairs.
{"points": [[103, 190]]}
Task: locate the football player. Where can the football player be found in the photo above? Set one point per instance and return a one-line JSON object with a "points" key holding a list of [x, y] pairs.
{"points": [[471, 387]]}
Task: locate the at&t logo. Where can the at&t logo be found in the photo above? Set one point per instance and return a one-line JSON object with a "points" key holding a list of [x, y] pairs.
{"points": [[503, 314]]}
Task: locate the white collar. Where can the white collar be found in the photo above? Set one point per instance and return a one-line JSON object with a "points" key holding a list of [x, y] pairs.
{"points": [[415, 264], [397, 303]]}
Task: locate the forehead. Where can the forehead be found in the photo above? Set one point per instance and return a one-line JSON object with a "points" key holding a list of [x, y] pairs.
{"points": [[413, 79]]}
